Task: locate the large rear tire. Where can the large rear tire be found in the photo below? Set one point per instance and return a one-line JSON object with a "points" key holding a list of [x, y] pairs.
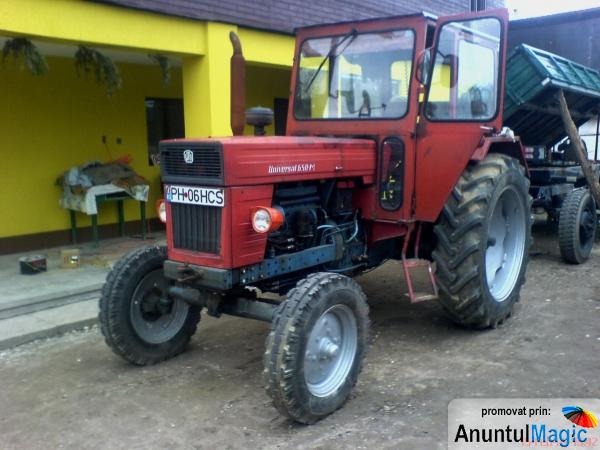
{"points": [[139, 321], [577, 226], [484, 235], [315, 349]]}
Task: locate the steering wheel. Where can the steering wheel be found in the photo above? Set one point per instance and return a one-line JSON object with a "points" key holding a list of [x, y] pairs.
{"points": [[365, 109]]}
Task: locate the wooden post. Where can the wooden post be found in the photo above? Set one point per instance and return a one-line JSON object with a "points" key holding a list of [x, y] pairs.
{"points": [[582, 156]]}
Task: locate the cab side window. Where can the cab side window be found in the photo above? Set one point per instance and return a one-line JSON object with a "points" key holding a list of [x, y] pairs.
{"points": [[464, 84]]}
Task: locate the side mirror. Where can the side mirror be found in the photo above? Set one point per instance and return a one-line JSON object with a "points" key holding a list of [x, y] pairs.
{"points": [[424, 66]]}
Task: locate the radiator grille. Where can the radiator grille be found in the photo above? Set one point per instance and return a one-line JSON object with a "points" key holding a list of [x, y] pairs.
{"points": [[206, 164], [196, 227]]}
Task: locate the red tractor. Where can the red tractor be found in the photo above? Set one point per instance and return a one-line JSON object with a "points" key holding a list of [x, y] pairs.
{"points": [[394, 150]]}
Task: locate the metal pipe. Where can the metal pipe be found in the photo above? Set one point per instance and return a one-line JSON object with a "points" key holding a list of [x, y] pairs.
{"points": [[249, 309], [188, 295], [238, 86]]}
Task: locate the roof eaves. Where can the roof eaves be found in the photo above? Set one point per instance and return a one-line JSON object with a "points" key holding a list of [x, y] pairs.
{"points": [[571, 16]]}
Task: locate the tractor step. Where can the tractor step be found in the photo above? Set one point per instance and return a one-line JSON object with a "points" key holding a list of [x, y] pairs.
{"points": [[421, 297], [416, 262], [408, 265]]}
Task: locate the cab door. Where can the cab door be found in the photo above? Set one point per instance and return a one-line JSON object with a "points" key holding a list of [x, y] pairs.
{"points": [[463, 102]]}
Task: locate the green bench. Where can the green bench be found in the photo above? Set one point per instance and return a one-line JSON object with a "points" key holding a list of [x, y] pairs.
{"points": [[117, 197]]}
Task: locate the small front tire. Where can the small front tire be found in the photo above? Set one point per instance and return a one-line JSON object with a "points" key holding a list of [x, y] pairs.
{"points": [[140, 323], [315, 349]]}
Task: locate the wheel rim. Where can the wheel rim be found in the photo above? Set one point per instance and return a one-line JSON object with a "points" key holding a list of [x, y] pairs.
{"points": [[587, 224], [506, 244], [330, 350], [155, 318]]}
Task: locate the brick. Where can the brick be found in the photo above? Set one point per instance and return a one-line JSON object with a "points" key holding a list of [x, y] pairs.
{"points": [[285, 15]]}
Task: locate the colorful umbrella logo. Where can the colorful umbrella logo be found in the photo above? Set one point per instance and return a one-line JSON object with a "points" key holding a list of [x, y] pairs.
{"points": [[580, 417]]}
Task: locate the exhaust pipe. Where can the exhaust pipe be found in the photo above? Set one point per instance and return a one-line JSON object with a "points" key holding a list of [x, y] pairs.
{"points": [[238, 86], [249, 308]]}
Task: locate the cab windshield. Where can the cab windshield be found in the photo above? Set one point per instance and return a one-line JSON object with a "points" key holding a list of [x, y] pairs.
{"points": [[356, 76]]}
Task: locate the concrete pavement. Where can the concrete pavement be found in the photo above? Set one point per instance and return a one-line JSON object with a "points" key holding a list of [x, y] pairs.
{"points": [[72, 392], [48, 323], [58, 300]]}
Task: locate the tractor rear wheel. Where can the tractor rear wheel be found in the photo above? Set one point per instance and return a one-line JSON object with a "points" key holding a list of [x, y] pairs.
{"points": [[139, 321], [315, 349], [484, 234], [577, 226]]}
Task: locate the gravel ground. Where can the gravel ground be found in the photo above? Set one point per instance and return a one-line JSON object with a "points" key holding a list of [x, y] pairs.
{"points": [[72, 392]]}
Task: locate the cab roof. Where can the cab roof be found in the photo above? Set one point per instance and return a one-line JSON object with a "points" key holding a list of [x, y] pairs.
{"points": [[424, 14]]}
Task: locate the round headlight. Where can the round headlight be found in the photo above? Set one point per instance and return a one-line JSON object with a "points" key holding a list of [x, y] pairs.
{"points": [[161, 210], [261, 220], [265, 219]]}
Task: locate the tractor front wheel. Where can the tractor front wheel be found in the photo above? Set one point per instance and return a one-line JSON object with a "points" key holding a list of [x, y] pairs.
{"points": [[315, 349], [139, 321], [484, 235]]}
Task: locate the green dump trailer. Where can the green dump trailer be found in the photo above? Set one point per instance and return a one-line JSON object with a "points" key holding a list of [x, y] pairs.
{"points": [[558, 186]]}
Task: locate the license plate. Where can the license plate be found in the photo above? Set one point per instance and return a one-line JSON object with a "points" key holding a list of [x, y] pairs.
{"points": [[194, 195]]}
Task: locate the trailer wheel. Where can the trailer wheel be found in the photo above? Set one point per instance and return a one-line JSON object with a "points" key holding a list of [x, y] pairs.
{"points": [[315, 349], [577, 226], [484, 235], [139, 322]]}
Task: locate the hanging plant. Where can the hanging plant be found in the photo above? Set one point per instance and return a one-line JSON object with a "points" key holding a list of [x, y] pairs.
{"points": [[165, 66], [89, 60], [24, 48]]}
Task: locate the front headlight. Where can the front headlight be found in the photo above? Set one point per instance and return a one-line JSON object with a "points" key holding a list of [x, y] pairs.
{"points": [[161, 210], [265, 219]]}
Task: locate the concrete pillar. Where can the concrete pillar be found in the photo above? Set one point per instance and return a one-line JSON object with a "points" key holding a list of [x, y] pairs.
{"points": [[206, 81]]}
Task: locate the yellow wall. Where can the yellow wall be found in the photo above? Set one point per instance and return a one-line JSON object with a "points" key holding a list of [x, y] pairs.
{"points": [[263, 85], [206, 79], [206, 85], [52, 122], [87, 22], [55, 121], [262, 47]]}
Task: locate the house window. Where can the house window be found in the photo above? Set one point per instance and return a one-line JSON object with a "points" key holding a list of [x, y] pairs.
{"points": [[164, 120], [477, 5]]}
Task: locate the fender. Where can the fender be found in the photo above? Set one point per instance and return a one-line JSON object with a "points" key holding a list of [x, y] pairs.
{"points": [[430, 201], [511, 146]]}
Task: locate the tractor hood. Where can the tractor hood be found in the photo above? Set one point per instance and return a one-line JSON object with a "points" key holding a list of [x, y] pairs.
{"points": [[248, 160]]}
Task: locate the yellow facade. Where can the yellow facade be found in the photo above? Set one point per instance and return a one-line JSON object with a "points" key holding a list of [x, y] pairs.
{"points": [[52, 122], [56, 121], [94, 24]]}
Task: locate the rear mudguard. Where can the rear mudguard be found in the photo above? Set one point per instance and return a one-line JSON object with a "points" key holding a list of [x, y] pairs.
{"points": [[507, 145]]}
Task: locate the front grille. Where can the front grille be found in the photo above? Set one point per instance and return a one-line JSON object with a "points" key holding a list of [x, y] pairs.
{"points": [[205, 166], [196, 227]]}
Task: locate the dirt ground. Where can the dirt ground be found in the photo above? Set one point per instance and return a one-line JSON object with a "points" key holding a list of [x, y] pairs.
{"points": [[72, 392]]}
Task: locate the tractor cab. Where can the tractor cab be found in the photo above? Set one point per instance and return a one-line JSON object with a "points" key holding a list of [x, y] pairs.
{"points": [[425, 90]]}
